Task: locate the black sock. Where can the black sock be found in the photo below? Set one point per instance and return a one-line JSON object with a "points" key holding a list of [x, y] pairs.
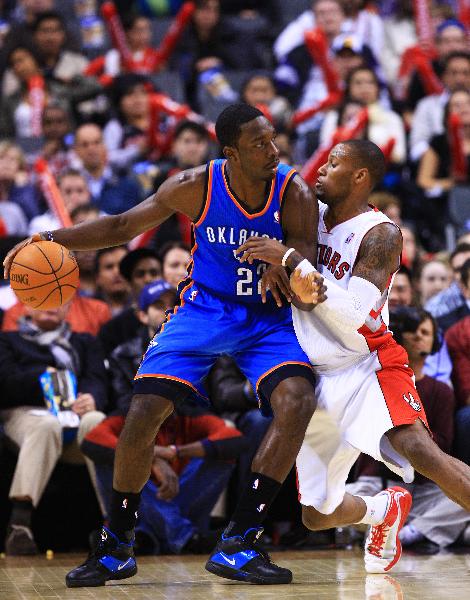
{"points": [[21, 513], [254, 504], [123, 513]]}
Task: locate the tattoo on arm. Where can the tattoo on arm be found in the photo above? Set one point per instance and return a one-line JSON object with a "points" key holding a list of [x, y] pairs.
{"points": [[379, 255]]}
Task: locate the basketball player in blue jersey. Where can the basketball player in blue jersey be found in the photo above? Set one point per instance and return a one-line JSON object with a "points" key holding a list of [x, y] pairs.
{"points": [[225, 307]]}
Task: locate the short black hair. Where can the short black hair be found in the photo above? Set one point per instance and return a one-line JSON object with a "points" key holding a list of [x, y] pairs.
{"points": [[192, 126], [230, 120], [465, 272], [403, 270], [48, 15], [367, 155], [456, 54], [129, 262], [102, 252], [406, 319]]}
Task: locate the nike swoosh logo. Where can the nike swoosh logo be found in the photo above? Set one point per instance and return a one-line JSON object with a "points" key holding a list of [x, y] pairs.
{"points": [[231, 561], [123, 564]]}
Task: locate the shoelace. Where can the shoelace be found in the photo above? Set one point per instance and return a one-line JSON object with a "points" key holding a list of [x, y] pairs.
{"points": [[378, 535]]}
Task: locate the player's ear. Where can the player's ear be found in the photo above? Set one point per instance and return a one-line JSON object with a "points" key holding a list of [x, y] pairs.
{"points": [[361, 175], [230, 152]]}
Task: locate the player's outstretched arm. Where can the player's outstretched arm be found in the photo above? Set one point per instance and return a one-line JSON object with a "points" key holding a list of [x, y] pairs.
{"points": [[181, 193]]}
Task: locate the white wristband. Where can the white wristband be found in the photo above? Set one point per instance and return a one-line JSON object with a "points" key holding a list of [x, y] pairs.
{"points": [[305, 267], [286, 256]]}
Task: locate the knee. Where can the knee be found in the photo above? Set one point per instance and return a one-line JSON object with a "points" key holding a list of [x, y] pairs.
{"points": [[296, 408], [417, 447], [149, 411], [314, 520], [47, 426]]}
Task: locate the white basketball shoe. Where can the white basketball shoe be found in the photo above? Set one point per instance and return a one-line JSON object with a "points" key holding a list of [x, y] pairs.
{"points": [[383, 547]]}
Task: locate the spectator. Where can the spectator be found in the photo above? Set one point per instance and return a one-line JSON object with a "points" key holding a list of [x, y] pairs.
{"points": [[367, 25], [126, 137], [112, 193], [43, 343], [450, 37], [428, 118], [139, 267], [15, 186], [259, 90], [190, 148], [450, 305], [362, 86], [389, 204], [177, 501], [435, 174], [111, 286], [435, 276], [57, 137], [74, 192], [411, 255], [175, 257], [437, 365], [433, 517], [17, 113]]}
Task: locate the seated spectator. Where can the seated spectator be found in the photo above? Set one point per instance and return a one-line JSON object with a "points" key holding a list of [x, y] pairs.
{"points": [[139, 267], [428, 119], [44, 343], [111, 286], [389, 204], [190, 468], [17, 117], [50, 37], [259, 90], [15, 185], [435, 175], [399, 34], [111, 192], [437, 365], [450, 305], [175, 257], [190, 148], [435, 276], [366, 24], [450, 37], [362, 86], [433, 517], [412, 252], [202, 50], [126, 137], [57, 137], [75, 193]]}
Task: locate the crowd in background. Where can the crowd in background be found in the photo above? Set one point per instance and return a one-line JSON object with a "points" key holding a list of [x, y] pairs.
{"points": [[110, 126]]}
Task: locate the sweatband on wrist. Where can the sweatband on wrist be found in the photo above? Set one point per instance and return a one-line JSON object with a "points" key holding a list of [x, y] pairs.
{"points": [[286, 256]]}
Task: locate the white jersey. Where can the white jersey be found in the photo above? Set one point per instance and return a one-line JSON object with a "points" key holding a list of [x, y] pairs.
{"points": [[337, 253]]}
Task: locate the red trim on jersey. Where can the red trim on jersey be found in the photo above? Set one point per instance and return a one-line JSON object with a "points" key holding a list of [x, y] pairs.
{"points": [[236, 202]]}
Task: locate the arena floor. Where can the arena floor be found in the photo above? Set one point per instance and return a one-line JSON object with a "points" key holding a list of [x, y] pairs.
{"points": [[320, 575]]}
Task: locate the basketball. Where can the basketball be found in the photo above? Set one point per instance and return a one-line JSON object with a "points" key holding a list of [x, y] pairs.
{"points": [[44, 275]]}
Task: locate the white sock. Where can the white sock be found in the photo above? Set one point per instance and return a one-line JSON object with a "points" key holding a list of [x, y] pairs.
{"points": [[376, 507]]}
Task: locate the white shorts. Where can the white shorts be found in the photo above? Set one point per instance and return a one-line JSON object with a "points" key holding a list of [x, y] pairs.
{"points": [[356, 407]]}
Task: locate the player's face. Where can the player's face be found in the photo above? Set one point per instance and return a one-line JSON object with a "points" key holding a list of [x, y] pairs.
{"points": [[257, 152], [334, 182]]}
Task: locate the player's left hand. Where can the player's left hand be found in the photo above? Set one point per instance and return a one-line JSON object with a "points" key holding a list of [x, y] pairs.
{"points": [[276, 280], [260, 248]]}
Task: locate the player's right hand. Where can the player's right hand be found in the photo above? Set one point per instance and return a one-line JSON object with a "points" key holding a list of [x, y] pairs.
{"points": [[14, 251], [309, 289]]}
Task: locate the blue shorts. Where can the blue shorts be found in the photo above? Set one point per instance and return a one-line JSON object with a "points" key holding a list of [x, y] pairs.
{"points": [[260, 338]]}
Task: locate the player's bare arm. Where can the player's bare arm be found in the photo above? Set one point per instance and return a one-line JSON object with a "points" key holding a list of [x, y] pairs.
{"points": [[299, 224], [379, 255], [181, 193]]}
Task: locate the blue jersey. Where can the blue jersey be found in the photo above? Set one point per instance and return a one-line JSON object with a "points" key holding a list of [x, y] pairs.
{"points": [[225, 224]]}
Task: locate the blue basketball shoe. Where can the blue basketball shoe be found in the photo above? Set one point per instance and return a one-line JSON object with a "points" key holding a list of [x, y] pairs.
{"points": [[111, 559], [241, 558]]}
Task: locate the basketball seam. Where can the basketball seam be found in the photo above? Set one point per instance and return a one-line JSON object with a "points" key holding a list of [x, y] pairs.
{"points": [[35, 287], [52, 268]]}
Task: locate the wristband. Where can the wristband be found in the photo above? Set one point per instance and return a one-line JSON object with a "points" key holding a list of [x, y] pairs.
{"points": [[286, 256], [305, 267], [47, 236]]}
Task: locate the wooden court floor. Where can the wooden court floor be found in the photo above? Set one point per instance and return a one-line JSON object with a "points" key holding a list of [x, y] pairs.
{"points": [[319, 575]]}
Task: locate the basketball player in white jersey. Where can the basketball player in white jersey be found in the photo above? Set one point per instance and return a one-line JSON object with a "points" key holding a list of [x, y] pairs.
{"points": [[363, 379]]}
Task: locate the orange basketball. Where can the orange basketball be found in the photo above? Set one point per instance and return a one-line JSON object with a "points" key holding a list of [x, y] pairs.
{"points": [[44, 275]]}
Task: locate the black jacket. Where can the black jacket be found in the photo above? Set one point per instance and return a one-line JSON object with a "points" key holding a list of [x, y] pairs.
{"points": [[22, 362]]}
